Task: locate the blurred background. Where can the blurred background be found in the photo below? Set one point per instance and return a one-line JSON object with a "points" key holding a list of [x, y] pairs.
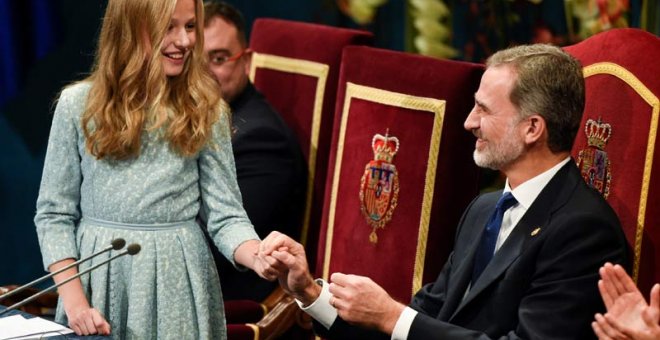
{"points": [[46, 44]]}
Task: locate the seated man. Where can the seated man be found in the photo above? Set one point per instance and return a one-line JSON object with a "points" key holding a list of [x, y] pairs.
{"points": [[526, 270], [628, 315], [270, 168]]}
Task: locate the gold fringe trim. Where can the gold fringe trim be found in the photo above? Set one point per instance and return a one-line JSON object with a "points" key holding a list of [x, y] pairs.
{"points": [[648, 96], [437, 108], [315, 70]]}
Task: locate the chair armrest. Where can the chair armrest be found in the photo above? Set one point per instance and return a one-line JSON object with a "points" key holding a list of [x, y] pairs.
{"points": [[42, 306], [284, 315]]}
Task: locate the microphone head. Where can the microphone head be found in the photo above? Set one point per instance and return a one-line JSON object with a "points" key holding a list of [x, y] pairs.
{"points": [[133, 249], [118, 243]]}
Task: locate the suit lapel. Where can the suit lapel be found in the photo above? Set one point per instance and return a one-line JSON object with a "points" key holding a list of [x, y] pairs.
{"points": [[461, 275], [552, 197]]}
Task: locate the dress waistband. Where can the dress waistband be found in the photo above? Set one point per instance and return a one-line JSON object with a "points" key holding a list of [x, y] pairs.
{"points": [[139, 226]]}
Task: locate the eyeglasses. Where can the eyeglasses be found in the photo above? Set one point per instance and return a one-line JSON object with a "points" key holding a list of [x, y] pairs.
{"points": [[219, 59]]}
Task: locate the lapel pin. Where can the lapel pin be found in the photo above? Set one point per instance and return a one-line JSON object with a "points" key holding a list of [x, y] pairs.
{"points": [[535, 231]]}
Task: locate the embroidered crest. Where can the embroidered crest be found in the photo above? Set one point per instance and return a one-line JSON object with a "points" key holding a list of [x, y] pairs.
{"points": [[592, 161], [379, 187]]}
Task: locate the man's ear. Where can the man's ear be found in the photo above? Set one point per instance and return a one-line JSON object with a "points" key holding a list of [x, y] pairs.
{"points": [[248, 62], [535, 129]]}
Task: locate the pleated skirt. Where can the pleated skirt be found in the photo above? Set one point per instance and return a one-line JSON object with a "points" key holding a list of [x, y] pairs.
{"points": [[169, 290]]}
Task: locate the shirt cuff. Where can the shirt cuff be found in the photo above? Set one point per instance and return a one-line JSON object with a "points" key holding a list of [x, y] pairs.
{"points": [[320, 309], [402, 326]]}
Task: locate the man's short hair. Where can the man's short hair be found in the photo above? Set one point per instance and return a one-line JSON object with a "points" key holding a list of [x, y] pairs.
{"points": [[550, 83], [221, 9]]}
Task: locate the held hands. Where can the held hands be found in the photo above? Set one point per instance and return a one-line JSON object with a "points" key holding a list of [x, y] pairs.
{"points": [[361, 301], [266, 267], [357, 299], [628, 315], [295, 278]]}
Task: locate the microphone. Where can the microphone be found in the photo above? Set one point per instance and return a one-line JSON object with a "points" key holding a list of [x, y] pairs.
{"points": [[130, 250], [116, 244]]}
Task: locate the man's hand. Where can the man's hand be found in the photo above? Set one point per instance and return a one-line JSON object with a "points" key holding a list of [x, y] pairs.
{"points": [[295, 278], [361, 301], [650, 317], [628, 315], [624, 302]]}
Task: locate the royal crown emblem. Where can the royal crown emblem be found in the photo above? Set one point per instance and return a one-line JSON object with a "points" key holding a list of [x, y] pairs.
{"points": [[593, 162], [379, 187]]}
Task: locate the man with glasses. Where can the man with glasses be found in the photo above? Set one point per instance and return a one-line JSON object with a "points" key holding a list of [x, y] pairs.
{"points": [[270, 167]]}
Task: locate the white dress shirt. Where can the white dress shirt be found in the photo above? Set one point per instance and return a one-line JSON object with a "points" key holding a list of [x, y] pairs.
{"points": [[320, 309], [526, 193]]}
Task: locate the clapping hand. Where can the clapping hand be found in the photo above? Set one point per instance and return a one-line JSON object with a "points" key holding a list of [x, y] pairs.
{"points": [[628, 315]]}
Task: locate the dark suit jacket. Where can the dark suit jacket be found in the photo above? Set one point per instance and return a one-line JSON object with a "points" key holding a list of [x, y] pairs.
{"points": [[542, 282], [272, 177]]}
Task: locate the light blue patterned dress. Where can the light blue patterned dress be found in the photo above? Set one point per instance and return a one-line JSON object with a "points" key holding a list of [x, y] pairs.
{"points": [[170, 290]]}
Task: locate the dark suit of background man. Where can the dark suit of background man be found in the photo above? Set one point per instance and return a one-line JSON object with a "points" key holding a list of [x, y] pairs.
{"points": [[269, 164], [541, 282]]}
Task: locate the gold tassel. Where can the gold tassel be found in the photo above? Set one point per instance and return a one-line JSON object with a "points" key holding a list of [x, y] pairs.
{"points": [[373, 238]]}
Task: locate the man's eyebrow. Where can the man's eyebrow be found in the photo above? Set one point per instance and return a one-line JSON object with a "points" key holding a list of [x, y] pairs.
{"points": [[219, 50], [480, 103]]}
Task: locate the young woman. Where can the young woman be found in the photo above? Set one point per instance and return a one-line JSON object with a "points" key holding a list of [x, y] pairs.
{"points": [[136, 151]]}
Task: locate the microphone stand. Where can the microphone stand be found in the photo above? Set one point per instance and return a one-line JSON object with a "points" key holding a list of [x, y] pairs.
{"points": [[131, 250], [116, 244]]}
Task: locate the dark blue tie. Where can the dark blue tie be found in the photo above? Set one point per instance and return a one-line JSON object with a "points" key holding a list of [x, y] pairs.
{"points": [[486, 247]]}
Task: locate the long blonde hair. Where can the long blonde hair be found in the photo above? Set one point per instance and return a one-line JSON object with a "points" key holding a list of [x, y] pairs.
{"points": [[130, 91]]}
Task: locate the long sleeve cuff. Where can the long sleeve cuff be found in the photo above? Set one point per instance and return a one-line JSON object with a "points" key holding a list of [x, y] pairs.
{"points": [[402, 326], [57, 243], [229, 238], [321, 310]]}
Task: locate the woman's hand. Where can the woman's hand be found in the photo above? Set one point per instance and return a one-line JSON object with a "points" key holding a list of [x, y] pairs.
{"points": [[265, 266], [83, 319], [87, 321]]}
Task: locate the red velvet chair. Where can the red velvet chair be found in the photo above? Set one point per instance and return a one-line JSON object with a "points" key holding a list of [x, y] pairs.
{"points": [[408, 227], [402, 169], [296, 66], [617, 148]]}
